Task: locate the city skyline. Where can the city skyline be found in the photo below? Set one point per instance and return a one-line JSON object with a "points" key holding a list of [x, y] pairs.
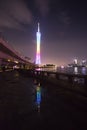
{"points": [[63, 28]]}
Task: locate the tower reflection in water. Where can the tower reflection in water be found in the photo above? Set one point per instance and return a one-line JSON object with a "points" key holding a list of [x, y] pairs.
{"points": [[38, 94]]}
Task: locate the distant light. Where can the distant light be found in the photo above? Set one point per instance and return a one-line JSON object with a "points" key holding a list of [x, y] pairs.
{"points": [[9, 60], [62, 67], [83, 70], [15, 67], [75, 61], [76, 70], [83, 61], [16, 62]]}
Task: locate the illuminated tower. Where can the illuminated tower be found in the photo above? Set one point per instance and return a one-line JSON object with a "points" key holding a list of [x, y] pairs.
{"points": [[38, 35]]}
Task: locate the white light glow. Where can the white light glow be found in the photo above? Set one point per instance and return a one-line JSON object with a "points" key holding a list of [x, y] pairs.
{"points": [[75, 70], [75, 61]]}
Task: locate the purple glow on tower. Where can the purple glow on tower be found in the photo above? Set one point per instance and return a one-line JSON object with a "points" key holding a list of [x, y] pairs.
{"points": [[38, 35]]}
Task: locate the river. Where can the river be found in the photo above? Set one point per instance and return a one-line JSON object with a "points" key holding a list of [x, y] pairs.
{"points": [[27, 103]]}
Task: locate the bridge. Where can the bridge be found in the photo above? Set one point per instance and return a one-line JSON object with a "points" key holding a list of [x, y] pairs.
{"points": [[64, 79], [9, 56]]}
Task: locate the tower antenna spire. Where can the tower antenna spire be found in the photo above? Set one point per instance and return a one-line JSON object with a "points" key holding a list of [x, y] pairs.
{"points": [[38, 27]]}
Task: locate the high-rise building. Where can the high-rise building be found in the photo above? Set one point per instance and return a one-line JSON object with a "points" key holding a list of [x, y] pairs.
{"points": [[38, 36]]}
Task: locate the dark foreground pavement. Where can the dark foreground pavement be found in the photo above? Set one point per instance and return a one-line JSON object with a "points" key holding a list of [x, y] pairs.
{"points": [[26, 104]]}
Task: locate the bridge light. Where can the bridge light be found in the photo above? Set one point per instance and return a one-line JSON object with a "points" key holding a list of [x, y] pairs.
{"points": [[16, 62], [9, 60]]}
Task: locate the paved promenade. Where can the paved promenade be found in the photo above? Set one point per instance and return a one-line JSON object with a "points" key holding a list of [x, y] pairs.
{"points": [[26, 104]]}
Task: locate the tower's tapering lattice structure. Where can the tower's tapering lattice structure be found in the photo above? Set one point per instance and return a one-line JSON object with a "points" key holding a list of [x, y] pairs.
{"points": [[38, 36]]}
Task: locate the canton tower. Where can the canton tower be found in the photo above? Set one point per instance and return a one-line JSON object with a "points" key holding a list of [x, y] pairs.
{"points": [[38, 36]]}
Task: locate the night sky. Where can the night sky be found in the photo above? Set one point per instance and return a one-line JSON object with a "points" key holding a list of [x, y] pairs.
{"points": [[63, 25]]}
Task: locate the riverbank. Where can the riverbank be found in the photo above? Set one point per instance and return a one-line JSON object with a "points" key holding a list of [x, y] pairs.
{"points": [[74, 86]]}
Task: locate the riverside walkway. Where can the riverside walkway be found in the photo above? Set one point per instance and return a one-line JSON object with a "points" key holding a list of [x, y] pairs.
{"points": [[27, 103]]}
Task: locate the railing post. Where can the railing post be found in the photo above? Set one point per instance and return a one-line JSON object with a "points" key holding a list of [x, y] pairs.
{"points": [[85, 79], [57, 76], [70, 79], [33, 72], [48, 74], [42, 74]]}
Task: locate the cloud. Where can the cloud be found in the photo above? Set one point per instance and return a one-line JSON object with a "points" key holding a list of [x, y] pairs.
{"points": [[7, 22], [43, 6], [14, 13]]}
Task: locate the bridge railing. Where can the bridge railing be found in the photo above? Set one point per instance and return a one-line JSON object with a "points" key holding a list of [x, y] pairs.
{"points": [[70, 78]]}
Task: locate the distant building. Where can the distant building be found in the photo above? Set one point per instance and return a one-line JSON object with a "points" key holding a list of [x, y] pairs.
{"points": [[84, 63], [75, 61], [49, 65]]}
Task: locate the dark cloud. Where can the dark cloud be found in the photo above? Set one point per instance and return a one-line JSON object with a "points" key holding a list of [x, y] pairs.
{"points": [[14, 13], [64, 18], [43, 6]]}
